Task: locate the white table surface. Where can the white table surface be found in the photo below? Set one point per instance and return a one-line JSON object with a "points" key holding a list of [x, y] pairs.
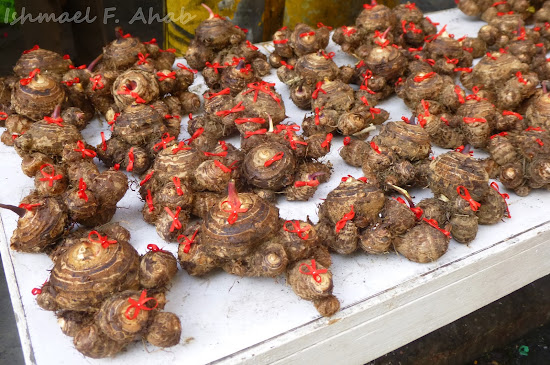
{"points": [[386, 300]]}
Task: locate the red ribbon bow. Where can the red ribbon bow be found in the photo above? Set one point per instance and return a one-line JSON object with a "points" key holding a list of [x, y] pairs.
{"points": [[29, 207], [49, 177], [469, 120], [225, 91], [502, 134], [81, 67], [249, 120], [216, 66], [375, 147], [234, 209], [176, 224], [76, 80], [504, 196], [312, 270], [307, 34], [97, 83], [311, 183], [517, 115], [162, 76], [318, 89], [302, 232], [177, 183], [82, 190], [342, 222], [133, 94], [237, 108], [195, 135], [127, 35], [180, 147], [187, 242], [58, 121], [465, 194], [264, 87], [280, 41], [251, 46], [143, 58], [152, 41], [434, 224], [32, 49], [424, 77], [85, 152], [454, 61], [32, 74], [249, 134], [411, 6], [536, 129], [147, 177], [104, 241], [183, 67], [326, 142], [154, 248], [166, 138], [348, 30], [139, 305], [277, 157], [328, 56], [458, 92], [321, 25], [520, 78]]}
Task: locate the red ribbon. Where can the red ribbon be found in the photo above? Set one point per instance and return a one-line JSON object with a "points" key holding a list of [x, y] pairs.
{"points": [[491, 56], [116, 167], [131, 159], [32, 49], [249, 120], [244, 30], [147, 177], [520, 78], [85, 152], [342, 222], [181, 147], [237, 108], [504, 196], [347, 140], [176, 224], [139, 305], [249, 134], [328, 56], [49, 177], [221, 154], [133, 94], [502, 134], [458, 92], [149, 200], [171, 50], [177, 183], [154, 248], [538, 140], [264, 87], [58, 121], [112, 122], [76, 80], [468, 120], [183, 67], [277, 157], [463, 69], [311, 183], [3, 116], [433, 223], [29, 207], [127, 35], [222, 167], [104, 241], [143, 58], [251, 46], [326, 142], [290, 67], [152, 41], [321, 25], [508, 13], [536, 129], [317, 114], [307, 34], [187, 242], [246, 69], [162, 76], [216, 66], [195, 135], [411, 6], [97, 83], [499, 3], [234, 210], [431, 22], [209, 96], [318, 88], [454, 61], [348, 30], [375, 147], [461, 148], [426, 76], [81, 67], [280, 41], [312, 270], [302, 232], [465, 194], [32, 74], [517, 115], [166, 138], [82, 190]]}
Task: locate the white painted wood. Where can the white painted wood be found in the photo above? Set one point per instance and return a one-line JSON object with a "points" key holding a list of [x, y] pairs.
{"points": [[387, 301]]}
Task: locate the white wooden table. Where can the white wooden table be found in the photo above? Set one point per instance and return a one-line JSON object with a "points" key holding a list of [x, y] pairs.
{"points": [[387, 301]]}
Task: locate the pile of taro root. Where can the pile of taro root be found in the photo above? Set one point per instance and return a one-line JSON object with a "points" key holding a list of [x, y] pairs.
{"points": [[218, 201]]}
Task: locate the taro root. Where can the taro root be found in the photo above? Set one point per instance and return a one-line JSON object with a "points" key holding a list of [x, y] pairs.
{"points": [[308, 177], [37, 95], [157, 268], [269, 166], [500, 30], [123, 51], [538, 111], [92, 342], [425, 242], [489, 10], [164, 330], [42, 221], [51, 63], [135, 86], [312, 281], [429, 86], [303, 40], [353, 151], [447, 53]]}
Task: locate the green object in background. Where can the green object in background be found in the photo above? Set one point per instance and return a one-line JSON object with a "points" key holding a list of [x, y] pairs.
{"points": [[7, 11], [523, 350]]}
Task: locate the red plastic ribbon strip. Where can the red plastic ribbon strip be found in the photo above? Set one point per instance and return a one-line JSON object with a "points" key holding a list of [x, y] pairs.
{"points": [[32, 49], [463, 69], [152, 41], [131, 159], [195, 135], [112, 122], [177, 183], [280, 41], [139, 305], [249, 120], [57, 121], [97, 83], [307, 34], [82, 190], [277, 157], [249, 134], [465, 194], [85, 152], [375, 147], [520, 78], [3, 116], [237, 108], [517, 115], [149, 201], [312, 270], [536, 129], [251, 46], [51, 176], [183, 67], [296, 227], [234, 210], [162, 76], [342, 222], [225, 91], [318, 89], [133, 94], [347, 140], [69, 83], [348, 30], [433, 223], [143, 58], [264, 87], [326, 142], [176, 224], [32, 74], [187, 242], [504, 196], [311, 183], [147, 178], [458, 92], [154, 248], [29, 207], [502, 134], [104, 241], [454, 61], [216, 66], [321, 25], [328, 56], [166, 138], [222, 167], [468, 120]]}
